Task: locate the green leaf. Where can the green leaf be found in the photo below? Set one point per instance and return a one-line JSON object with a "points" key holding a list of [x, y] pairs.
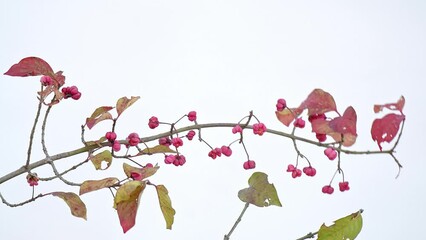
{"points": [[77, 207], [93, 185], [123, 103], [156, 149], [345, 228], [260, 193], [104, 156], [127, 201], [166, 205], [139, 173]]}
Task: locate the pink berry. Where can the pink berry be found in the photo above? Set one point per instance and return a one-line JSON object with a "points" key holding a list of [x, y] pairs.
{"points": [[149, 165], [328, 189], [153, 122], [116, 146], [296, 173], [290, 168], [259, 128], [310, 171], [181, 159], [227, 151], [343, 186], [281, 104], [169, 159], [237, 129], [136, 176], [190, 135], [111, 136], [217, 152], [330, 153], [177, 142], [32, 179], [165, 141], [192, 116], [249, 164], [299, 122], [71, 92], [321, 137], [316, 116], [46, 80], [133, 139]]}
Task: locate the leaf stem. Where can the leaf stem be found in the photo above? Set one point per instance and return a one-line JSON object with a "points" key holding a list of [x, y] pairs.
{"points": [[227, 236]]}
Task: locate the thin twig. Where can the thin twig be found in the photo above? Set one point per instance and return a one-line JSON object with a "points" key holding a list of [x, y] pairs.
{"points": [[30, 145], [21, 203], [309, 235], [227, 236]]}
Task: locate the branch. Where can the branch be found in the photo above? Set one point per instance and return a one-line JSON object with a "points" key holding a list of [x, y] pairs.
{"points": [[309, 235], [21, 203], [227, 236], [84, 149]]}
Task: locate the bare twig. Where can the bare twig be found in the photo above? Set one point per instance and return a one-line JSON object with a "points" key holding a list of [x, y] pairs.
{"points": [[21, 203], [30, 145], [227, 236]]}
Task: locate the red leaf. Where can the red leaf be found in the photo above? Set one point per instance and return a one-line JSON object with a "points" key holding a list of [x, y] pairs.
{"points": [[318, 102], [344, 125], [385, 129], [30, 66], [100, 114], [399, 105], [127, 214]]}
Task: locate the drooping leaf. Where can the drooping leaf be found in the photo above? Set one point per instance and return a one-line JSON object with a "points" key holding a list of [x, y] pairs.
{"points": [[156, 149], [127, 201], [30, 66], [318, 102], [123, 103], [77, 207], [93, 185], [260, 192], [340, 126], [345, 228], [399, 105], [166, 205], [139, 173], [385, 129], [104, 156], [100, 114], [287, 116]]}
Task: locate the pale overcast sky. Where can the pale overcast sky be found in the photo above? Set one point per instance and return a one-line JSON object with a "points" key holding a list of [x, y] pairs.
{"points": [[222, 59]]}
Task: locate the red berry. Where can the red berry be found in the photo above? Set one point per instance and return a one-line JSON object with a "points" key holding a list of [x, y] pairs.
{"points": [[169, 159], [190, 135], [281, 104], [71, 92], [192, 116], [316, 116], [237, 129], [328, 189], [177, 142], [299, 122], [32, 179], [153, 122], [249, 164], [296, 173], [149, 165], [290, 168], [321, 137], [116, 146], [309, 171], [111, 136], [343, 186], [259, 128], [133, 139], [227, 151], [46, 80], [165, 141]]}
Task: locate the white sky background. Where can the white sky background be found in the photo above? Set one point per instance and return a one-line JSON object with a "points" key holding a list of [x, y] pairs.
{"points": [[222, 59]]}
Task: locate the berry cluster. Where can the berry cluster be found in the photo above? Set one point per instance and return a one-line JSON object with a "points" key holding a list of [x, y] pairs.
{"points": [[71, 92]]}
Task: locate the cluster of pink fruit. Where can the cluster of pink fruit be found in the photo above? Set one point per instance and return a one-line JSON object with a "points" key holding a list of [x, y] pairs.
{"points": [[68, 92]]}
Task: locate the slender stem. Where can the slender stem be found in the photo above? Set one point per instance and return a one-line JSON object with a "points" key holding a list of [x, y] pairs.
{"points": [[227, 236], [88, 148], [309, 235], [21, 203], [30, 145]]}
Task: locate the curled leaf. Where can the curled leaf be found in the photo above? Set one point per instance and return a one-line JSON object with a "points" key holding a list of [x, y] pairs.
{"points": [[399, 105], [104, 156], [139, 173], [77, 207], [344, 228], [93, 185], [260, 192], [100, 114], [30, 66], [166, 205], [123, 103]]}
